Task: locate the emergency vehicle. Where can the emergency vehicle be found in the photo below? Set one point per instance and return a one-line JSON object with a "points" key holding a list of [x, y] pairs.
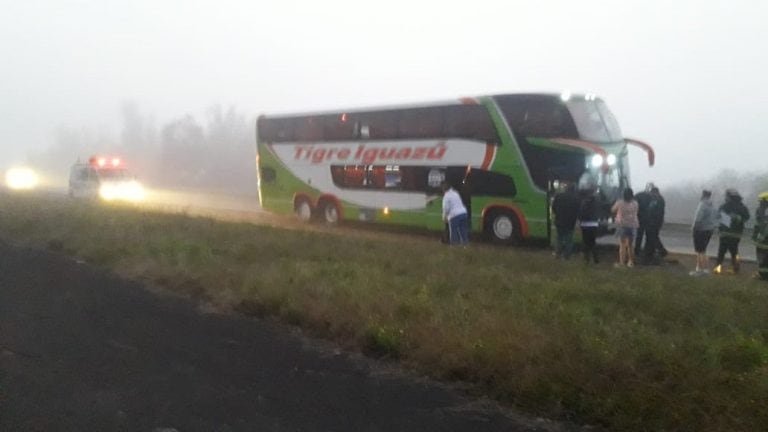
{"points": [[106, 178]]}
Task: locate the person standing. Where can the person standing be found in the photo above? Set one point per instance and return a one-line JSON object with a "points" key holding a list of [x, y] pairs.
{"points": [[565, 208], [625, 211], [654, 220], [455, 215], [733, 215], [589, 223], [704, 224], [643, 200], [760, 235]]}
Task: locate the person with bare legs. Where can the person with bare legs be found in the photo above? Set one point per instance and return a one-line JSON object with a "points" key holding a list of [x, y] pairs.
{"points": [[704, 224], [625, 214]]}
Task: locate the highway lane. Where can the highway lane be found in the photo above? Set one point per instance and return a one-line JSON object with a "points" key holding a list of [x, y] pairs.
{"points": [[678, 238], [81, 349]]}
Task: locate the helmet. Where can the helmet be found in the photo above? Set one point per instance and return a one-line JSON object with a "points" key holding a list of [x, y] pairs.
{"points": [[763, 196], [732, 193]]}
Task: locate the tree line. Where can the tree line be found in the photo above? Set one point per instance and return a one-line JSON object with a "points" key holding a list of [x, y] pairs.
{"points": [[682, 198], [215, 152]]}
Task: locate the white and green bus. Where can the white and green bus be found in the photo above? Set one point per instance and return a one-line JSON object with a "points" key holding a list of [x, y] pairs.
{"points": [[387, 164]]}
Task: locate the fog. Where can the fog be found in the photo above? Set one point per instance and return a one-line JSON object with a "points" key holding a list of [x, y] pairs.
{"points": [[687, 77]]}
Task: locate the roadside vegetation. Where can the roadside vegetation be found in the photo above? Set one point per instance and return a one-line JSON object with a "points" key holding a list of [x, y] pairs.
{"points": [[627, 350]]}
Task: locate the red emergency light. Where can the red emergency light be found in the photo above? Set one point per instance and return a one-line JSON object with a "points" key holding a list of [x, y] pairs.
{"points": [[104, 162]]}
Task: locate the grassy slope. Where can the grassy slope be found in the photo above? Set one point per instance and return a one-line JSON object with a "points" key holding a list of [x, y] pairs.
{"points": [[632, 350]]}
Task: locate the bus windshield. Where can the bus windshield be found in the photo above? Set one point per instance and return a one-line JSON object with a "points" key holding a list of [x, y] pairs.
{"points": [[594, 120]]}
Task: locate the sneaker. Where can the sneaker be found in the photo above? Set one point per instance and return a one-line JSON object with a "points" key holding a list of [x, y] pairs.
{"points": [[617, 265], [630, 264], [696, 273]]}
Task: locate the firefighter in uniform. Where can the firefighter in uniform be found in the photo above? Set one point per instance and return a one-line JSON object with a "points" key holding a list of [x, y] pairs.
{"points": [[760, 236]]}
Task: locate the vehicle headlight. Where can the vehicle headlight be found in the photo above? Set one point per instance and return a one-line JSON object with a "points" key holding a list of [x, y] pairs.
{"points": [[611, 159], [134, 191], [21, 178], [124, 191], [597, 161], [108, 192]]}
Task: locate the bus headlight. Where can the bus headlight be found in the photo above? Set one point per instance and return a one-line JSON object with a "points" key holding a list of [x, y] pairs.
{"points": [[611, 159], [21, 178], [597, 161]]}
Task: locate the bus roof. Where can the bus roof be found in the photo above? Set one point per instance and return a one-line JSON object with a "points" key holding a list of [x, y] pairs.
{"points": [[450, 102]]}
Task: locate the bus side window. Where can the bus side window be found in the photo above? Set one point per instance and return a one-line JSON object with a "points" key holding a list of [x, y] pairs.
{"points": [[421, 123], [308, 129], [275, 130], [489, 183], [340, 127], [268, 174], [379, 125], [470, 121], [349, 176]]}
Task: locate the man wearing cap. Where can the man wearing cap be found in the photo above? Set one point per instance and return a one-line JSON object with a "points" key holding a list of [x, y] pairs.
{"points": [[760, 236], [733, 215]]}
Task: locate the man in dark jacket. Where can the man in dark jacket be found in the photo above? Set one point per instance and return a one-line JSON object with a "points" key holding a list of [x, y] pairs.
{"points": [[565, 208], [654, 220], [733, 216], [760, 236], [589, 217], [643, 199]]}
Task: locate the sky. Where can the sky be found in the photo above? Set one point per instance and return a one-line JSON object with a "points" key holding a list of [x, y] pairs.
{"points": [[688, 77]]}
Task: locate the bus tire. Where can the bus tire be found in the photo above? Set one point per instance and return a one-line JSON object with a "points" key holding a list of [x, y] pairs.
{"points": [[303, 209], [503, 227], [329, 212]]}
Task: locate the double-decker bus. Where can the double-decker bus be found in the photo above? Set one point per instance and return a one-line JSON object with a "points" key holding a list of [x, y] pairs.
{"points": [[387, 164]]}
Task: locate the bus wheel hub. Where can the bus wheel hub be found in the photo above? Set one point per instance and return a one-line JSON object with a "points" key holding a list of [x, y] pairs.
{"points": [[502, 227]]}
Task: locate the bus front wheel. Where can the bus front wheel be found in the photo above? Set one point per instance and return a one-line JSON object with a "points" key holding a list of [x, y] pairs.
{"points": [[303, 209], [503, 227]]}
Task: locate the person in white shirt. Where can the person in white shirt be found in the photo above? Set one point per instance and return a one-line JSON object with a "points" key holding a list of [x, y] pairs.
{"points": [[455, 215]]}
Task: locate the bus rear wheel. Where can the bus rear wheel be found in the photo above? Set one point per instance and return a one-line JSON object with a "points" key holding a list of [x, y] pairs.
{"points": [[503, 227], [303, 209], [329, 212]]}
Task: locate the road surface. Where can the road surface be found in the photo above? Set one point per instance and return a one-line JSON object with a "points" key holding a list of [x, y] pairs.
{"points": [[677, 238], [83, 350]]}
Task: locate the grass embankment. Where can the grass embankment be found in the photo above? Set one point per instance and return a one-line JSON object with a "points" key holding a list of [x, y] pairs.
{"points": [[631, 350]]}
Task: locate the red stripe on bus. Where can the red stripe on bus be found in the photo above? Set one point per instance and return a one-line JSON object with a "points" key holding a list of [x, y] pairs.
{"points": [[646, 148], [490, 152], [582, 144]]}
